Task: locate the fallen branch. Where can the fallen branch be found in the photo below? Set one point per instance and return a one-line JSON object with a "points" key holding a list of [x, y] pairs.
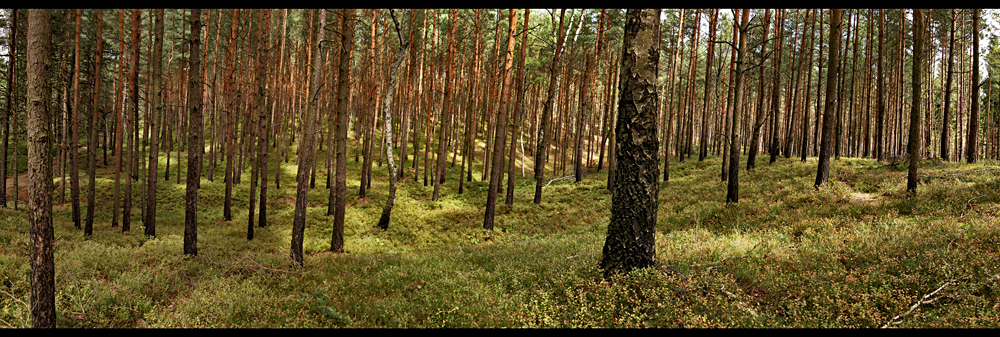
{"points": [[923, 300], [738, 302], [566, 177], [252, 263]]}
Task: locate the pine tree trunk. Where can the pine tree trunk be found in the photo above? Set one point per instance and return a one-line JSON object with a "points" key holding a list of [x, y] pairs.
{"points": [[196, 142], [972, 151], [343, 110], [733, 187], [544, 129], [914, 143], [823, 169]]}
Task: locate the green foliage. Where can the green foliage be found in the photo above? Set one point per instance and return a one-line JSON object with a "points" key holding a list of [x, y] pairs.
{"points": [[855, 253]]}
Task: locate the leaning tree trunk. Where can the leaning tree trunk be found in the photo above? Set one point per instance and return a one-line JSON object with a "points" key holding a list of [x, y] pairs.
{"points": [[630, 243], [383, 221]]}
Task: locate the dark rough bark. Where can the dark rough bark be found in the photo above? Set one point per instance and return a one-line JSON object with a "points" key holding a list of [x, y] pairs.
{"points": [[825, 148], [129, 129], [759, 119], [88, 227], [343, 115], [776, 88], [43, 310], [630, 243], [157, 105], [914, 142], [972, 151], [945, 119], [74, 170], [195, 140], [306, 152], [733, 187]]}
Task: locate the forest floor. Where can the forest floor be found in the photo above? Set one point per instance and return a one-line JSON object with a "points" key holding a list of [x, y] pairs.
{"points": [[858, 252]]}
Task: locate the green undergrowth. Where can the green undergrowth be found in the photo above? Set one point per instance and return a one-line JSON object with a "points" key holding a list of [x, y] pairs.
{"points": [[854, 253]]}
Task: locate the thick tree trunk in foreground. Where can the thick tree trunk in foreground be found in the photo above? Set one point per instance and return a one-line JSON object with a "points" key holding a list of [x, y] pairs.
{"points": [[196, 143], [825, 148], [630, 243], [43, 310]]}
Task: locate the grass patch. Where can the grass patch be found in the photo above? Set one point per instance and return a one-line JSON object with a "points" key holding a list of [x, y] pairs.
{"points": [[854, 253]]}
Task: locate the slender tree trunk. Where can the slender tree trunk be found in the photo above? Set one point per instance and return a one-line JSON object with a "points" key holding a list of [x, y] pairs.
{"points": [[74, 168], [154, 142], [759, 120], [343, 111], [972, 151], [306, 153], [823, 169], [880, 116], [446, 108], [496, 174], [519, 110], [196, 142], [383, 222], [914, 143], [131, 122], [703, 135], [776, 87], [544, 129], [88, 228], [946, 118], [733, 187], [9, 112]]}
